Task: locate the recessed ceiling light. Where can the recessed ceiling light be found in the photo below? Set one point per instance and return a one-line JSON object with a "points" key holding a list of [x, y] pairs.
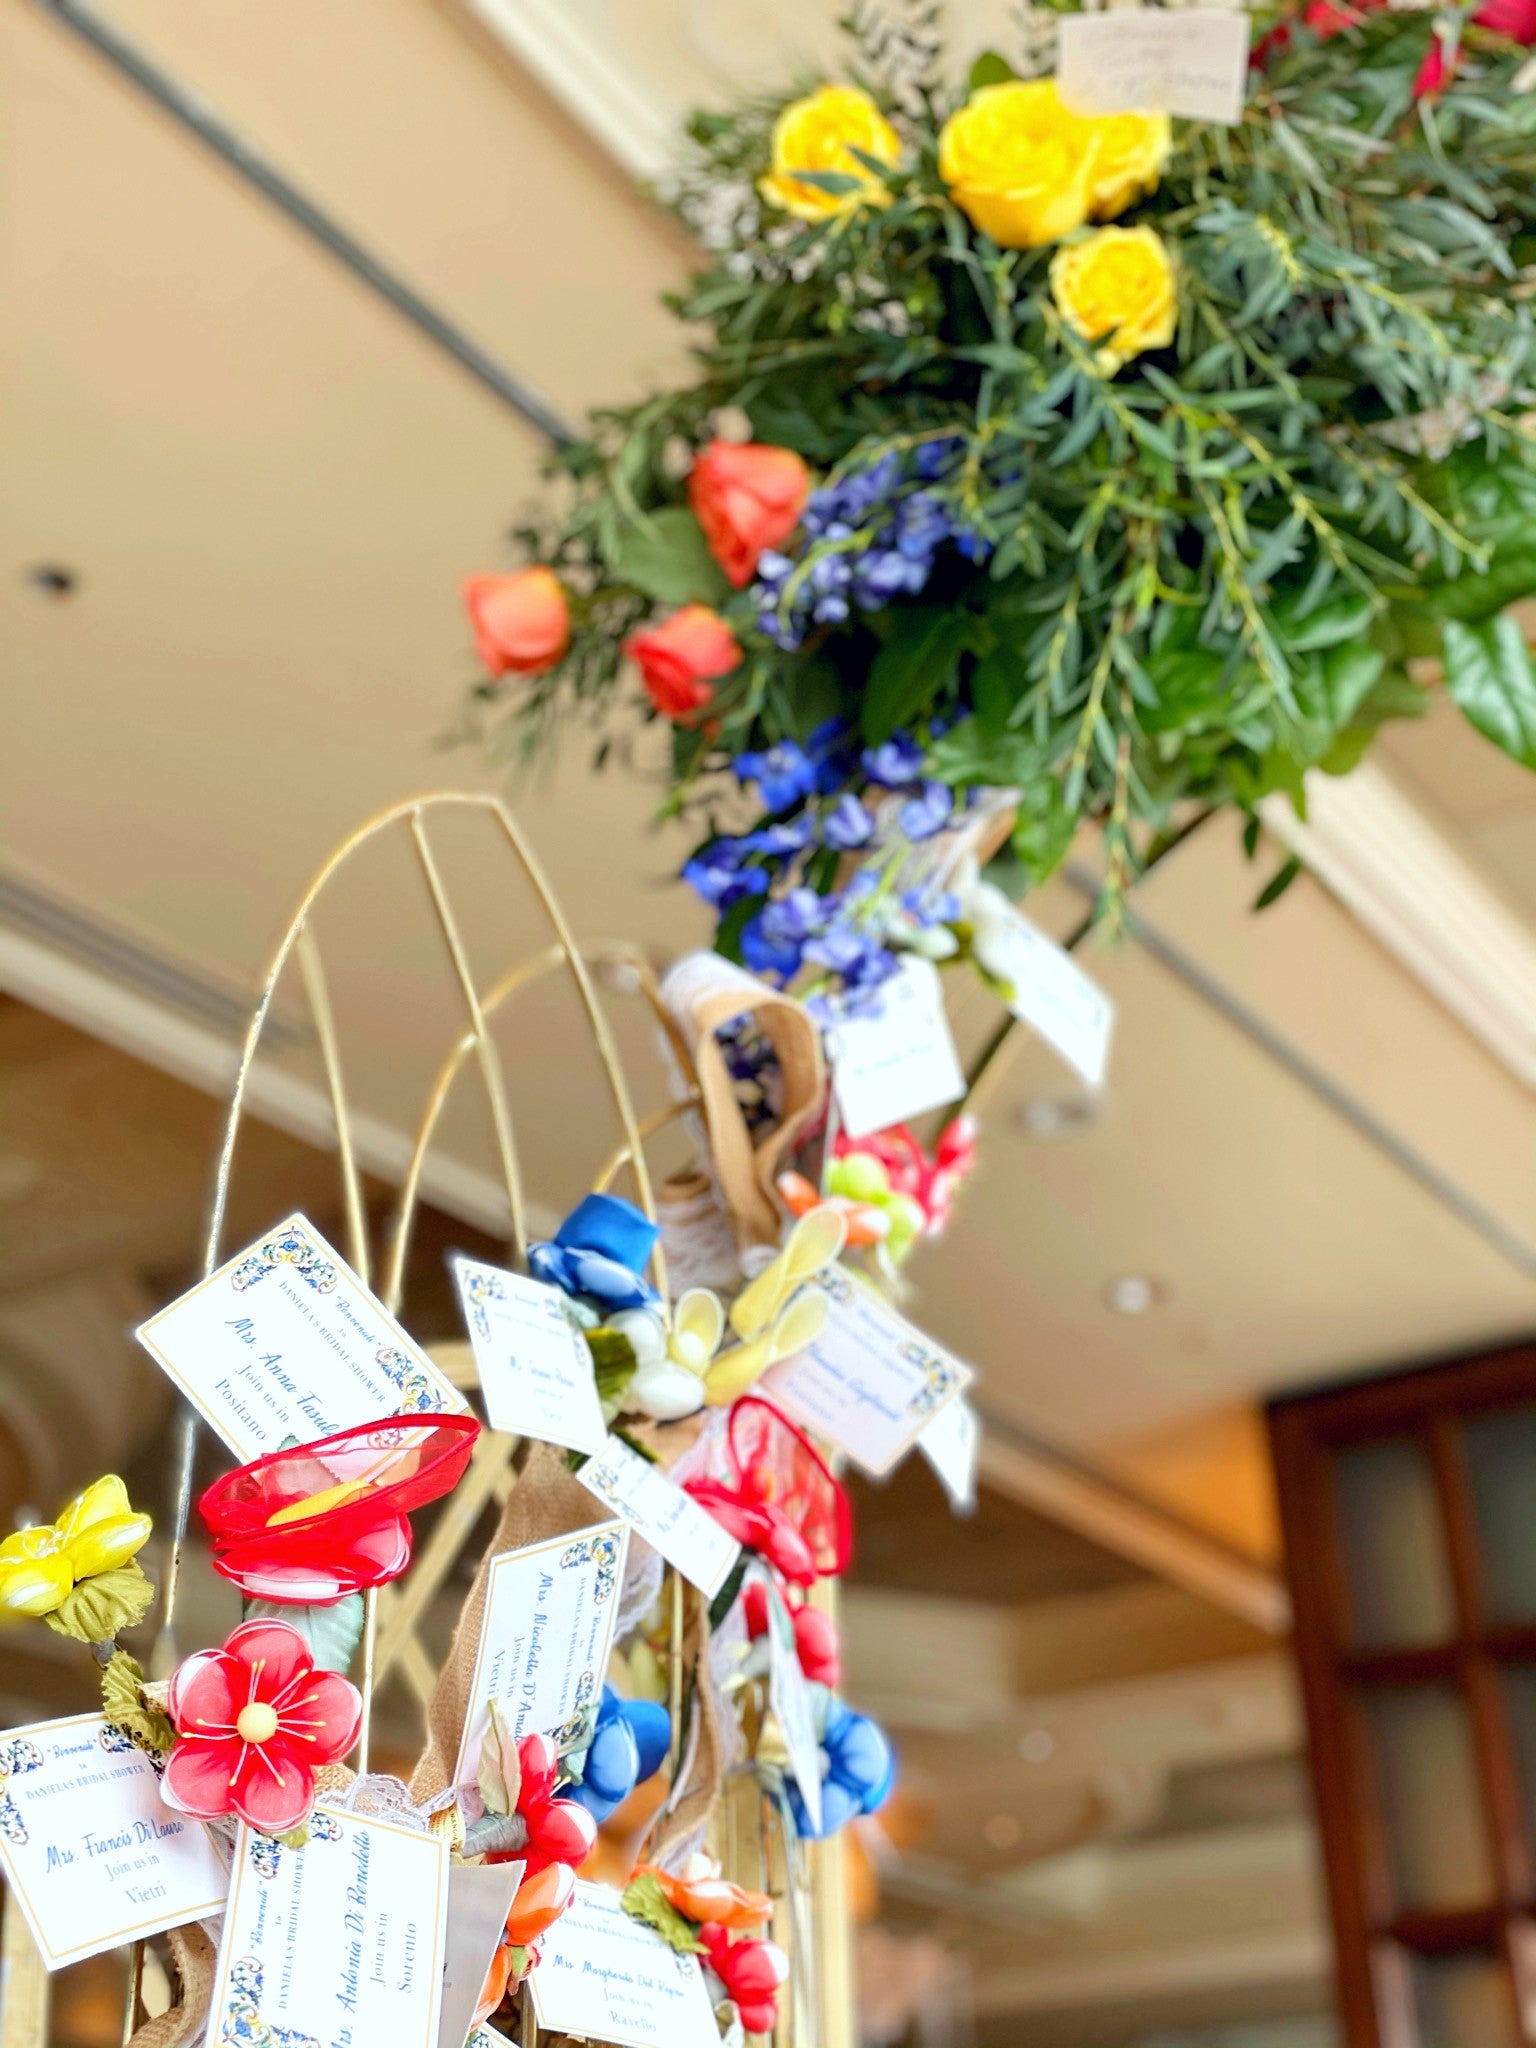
{"points": [[1132, 1294], [1056, 1116], [1037, 1746], [53, 580], [1002, 1831]]}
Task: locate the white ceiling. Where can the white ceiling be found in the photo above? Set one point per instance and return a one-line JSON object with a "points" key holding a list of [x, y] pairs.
{"points": [[269, 487]]}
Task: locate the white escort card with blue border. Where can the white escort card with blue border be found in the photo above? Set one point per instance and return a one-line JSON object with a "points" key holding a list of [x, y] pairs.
{"points": [[534, 1365], [550, 1610], [871, 1382], [338, 1944], [94, 1855], [897, 1058], [661, 1514], [284, 1344], [607, 1977]]}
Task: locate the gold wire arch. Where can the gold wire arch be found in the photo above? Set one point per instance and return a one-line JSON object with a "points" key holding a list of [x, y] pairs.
{"points": [[390, 1636]]}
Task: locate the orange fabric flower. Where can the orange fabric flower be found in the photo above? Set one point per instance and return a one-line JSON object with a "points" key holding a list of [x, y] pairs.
{"points": [[522, 622], [747, 497], [709, 1899], [679, 659]]}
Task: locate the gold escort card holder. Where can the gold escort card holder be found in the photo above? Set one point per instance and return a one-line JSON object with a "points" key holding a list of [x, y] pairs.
{"points": [[744, 1827]]}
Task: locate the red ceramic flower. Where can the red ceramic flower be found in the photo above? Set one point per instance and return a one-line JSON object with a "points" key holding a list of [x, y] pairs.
{"points": [[522, 622], [751, 1972], [771, 1490], [816, 1641], [254, 1722], [314, 1523], [1513, 18], [680, 659], [747, 497], [559, 1830]]}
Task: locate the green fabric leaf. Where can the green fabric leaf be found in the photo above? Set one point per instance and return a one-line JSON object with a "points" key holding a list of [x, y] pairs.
{"points": [[1488, 672], [97, 1608], [124, 1704], [990, 68], [613, 1361], [332, 1633], [914, 665], [644, 1900], [500, 1773], [669, 559]]}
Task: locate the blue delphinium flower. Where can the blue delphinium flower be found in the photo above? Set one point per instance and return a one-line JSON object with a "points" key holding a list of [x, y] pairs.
{"points": [[896, 763], [717, 873], [784, 774], [847, 825], [927, 812]]}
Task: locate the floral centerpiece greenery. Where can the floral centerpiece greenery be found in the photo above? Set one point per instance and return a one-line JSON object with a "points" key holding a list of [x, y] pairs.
{"points": [[1116, 464]]}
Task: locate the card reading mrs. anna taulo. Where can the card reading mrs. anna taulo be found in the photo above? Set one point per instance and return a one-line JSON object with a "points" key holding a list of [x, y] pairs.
{"points": [[284, 1344]]}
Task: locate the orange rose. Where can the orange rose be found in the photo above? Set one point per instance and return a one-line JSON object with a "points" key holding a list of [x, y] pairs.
{"points": [[522, 622], [702, 1895], [747, 497], [679, 659]]}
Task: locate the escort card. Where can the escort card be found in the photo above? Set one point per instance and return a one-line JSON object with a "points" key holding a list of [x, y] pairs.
{"points": [[1051, 993], [88, 1846], [480, 1897], [1190, 61], [545, 1637], [659, 1511], [285, 1344], [952, 1445], [895, 1062], [871, 1382], [335, 1945], [608, 1977], [534, 1365], [789, 1695]]}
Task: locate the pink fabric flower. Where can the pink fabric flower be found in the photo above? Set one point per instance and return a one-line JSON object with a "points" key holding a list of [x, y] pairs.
{"points": [[254, 1722]]}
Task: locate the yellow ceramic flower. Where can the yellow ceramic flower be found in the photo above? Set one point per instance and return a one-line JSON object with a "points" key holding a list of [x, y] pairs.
{"points": [[820, 134], [1132, 149], [1019, 163], [97, 1532], [1117, 286]]}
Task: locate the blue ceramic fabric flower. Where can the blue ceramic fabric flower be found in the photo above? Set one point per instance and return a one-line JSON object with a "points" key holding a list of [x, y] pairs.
{"points": [[630, 1745], [599, 1252], [858, 1773]]}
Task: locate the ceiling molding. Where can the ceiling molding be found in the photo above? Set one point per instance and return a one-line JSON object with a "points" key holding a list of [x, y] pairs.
{"points": [[207, 1060], [1400, 873], [576, 69]]}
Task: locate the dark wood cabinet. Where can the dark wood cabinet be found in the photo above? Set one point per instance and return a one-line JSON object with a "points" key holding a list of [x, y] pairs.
{"points": [[1409, 1511]]}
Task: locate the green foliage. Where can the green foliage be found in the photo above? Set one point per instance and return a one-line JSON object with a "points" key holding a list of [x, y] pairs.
{"points": [[124, 1704], [98, 1608], [1190, 582], [644, 1900], [332, 1632]]}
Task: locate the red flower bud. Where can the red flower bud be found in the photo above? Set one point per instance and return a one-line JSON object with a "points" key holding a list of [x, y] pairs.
{"points": [[522, 622], [679, 659], [746, 497]]}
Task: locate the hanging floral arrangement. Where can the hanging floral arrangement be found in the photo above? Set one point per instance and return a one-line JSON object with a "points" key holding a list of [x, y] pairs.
{"points": [[1112, 464]]}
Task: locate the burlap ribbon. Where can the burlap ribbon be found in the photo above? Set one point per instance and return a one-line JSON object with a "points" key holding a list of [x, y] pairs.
{"points": [[702, 991]]}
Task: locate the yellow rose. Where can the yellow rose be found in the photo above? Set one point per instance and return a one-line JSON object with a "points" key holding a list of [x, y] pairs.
{"points": [[820, 134], [1117, 282], [1128, 162], [1019, 163], [98, 1532]]}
